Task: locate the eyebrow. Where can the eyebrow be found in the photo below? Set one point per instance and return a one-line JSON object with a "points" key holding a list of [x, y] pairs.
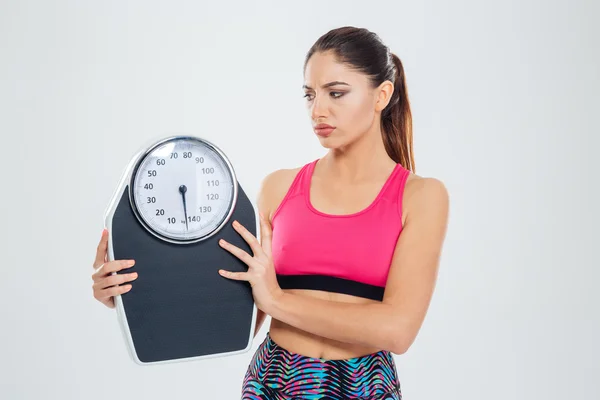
{"points": [[327, 85]]}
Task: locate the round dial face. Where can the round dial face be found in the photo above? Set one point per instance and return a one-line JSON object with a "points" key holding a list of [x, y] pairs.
{"points": [[183, 189]]}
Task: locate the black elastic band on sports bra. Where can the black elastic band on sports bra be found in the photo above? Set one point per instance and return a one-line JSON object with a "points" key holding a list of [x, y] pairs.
{"points": [[331, 284]]}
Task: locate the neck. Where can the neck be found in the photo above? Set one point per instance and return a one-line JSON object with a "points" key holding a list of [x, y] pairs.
{"points": [[359, 160]]}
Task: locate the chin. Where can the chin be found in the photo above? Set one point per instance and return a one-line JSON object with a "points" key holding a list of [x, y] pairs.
{"points": [[328, 142], [332, 142]]}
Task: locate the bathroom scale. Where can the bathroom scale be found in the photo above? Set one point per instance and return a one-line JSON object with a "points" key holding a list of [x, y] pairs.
{"points": [[177, 197]]}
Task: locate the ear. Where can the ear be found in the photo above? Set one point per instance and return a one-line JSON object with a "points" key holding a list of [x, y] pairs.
{"points": [[383, 95]]}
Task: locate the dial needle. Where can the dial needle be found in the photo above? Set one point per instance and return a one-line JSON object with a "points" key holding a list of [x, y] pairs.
{"points": [[182, 190]]}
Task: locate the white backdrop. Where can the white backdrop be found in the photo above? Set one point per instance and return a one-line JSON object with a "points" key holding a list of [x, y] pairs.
{"points": [[504, 97]]}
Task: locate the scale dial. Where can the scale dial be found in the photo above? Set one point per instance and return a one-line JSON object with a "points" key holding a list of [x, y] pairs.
{"points": [[183, 189]]}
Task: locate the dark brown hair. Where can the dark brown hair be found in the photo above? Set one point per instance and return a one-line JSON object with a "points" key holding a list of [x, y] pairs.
{"points": [[364, 51]]}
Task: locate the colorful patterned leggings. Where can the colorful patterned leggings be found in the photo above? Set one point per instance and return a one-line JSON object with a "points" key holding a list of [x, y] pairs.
{"points": [[276, 374]]}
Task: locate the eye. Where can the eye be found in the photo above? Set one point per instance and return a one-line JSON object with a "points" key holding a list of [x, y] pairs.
{"points": [[335, 95]]}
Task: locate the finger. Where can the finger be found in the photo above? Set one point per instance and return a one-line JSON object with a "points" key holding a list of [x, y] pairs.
{"points": [[116, 290], [236, 276], [265, 234], [248, 237], [113, 280], [112, 266], [110, 303], [111, 292], [118, 265], [101, 249], [236, 251]]}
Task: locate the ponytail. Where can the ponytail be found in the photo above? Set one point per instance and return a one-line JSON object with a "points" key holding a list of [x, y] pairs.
{"points": [[396, 122]]}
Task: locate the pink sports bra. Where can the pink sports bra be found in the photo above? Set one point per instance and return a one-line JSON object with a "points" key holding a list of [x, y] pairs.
{"points": [[349, 253]]}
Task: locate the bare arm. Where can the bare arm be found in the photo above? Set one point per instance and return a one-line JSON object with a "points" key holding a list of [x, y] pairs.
{"points": [[271, 191], [260, 318], [394, 323]]}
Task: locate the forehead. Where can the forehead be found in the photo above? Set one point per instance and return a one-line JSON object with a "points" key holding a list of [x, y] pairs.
{"points": [[323, 68]]}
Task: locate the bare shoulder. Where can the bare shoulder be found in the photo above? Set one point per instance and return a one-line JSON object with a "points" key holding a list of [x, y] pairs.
{"points": [[273, 189], [425, 195], [420, 186]]}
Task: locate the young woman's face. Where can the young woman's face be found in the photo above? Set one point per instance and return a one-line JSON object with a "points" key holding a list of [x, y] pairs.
{"points": [[338, 96]]}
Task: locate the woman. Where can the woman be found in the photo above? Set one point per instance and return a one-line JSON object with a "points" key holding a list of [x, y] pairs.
{"points": [[350, 243]]}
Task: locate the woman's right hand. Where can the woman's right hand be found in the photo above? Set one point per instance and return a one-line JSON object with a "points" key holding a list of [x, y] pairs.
{"points": [[106, 285]]}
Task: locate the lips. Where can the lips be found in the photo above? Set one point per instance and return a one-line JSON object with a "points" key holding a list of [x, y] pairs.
{"points": [[324, 129]]}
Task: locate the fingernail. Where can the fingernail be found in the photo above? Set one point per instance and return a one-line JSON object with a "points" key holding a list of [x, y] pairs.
{"points": [[131, 263]]}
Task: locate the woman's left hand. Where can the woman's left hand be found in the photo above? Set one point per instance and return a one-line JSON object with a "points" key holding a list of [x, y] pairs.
{"points": [[261, 270]]}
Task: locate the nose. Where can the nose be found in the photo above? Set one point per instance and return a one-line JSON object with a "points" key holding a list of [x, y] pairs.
{"points": [[318, 109]]}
